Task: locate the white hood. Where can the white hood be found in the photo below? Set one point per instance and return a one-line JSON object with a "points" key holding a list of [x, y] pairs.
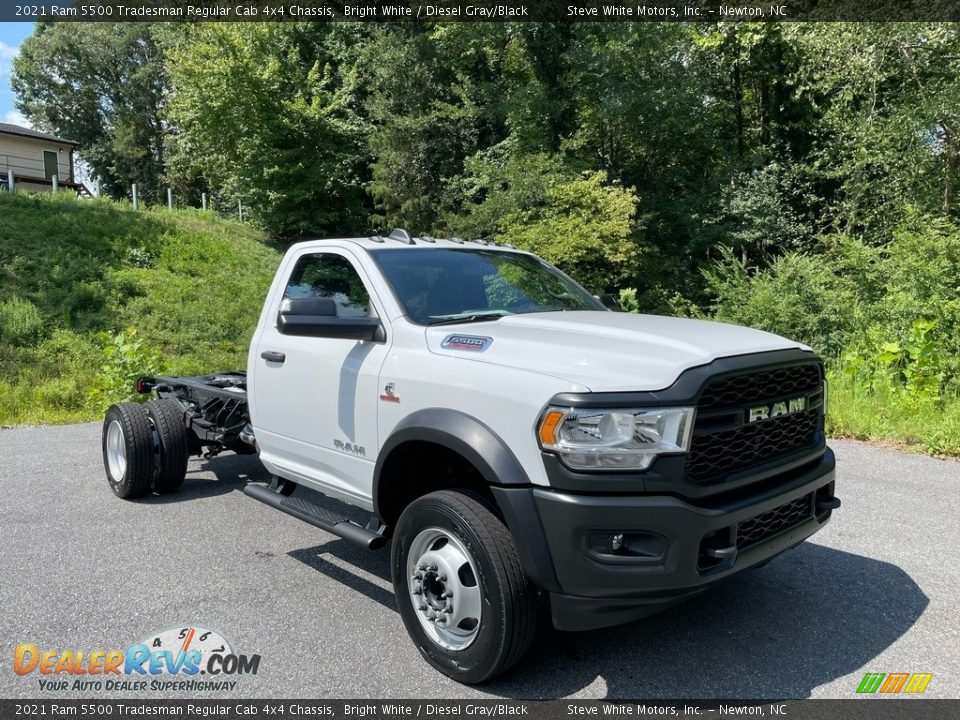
{"points": [[606, 351]]}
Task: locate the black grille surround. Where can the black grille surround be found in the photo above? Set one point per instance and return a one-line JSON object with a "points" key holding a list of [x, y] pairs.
{"points": [[773, 522], [724, 443]]}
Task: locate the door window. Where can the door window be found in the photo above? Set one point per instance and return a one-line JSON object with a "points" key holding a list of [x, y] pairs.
{"points": [[326, 275]]}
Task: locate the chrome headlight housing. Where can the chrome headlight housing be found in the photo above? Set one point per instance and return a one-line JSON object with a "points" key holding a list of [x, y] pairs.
{"points": [[614, 438]]}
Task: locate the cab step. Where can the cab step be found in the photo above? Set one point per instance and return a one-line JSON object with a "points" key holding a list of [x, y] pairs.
{"points": [[320, 517]]}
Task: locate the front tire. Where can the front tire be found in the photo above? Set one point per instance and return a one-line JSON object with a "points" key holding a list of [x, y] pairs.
{"points": [[460, 589], [127, 444]]}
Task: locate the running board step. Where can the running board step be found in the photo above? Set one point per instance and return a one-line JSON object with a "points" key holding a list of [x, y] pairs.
{"points": [[317, 516]]}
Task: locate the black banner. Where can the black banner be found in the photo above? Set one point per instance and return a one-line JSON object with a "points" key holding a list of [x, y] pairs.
{"points": [[479, 10], [854, 709]]}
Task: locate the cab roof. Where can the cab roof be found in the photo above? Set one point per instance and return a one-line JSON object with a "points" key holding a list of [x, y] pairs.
{"points": [[400, 238]]}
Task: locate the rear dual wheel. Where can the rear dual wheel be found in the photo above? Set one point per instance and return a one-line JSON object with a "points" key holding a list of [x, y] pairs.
{"points": [[173, 449], [127, 443], [144, 448]]}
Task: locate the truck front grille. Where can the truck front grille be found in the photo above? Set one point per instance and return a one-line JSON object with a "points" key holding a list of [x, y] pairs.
{"points": [[773, 522], [750, 388], [724, 442]]}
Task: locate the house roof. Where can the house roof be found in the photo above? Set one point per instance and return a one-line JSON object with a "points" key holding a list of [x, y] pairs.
{"points": [[27, 132]]}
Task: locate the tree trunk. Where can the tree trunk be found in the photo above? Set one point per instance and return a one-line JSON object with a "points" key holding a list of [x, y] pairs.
{"points": [[738, 105], [950, 174]]}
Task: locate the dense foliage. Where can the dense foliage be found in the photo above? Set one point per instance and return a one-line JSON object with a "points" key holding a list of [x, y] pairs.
{"points": [[797, 177]]}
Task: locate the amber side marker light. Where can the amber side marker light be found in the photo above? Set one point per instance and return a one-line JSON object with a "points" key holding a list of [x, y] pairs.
{"points": [[548, 427]]}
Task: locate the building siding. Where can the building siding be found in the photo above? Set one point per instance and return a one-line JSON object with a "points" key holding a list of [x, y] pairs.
{"points": [[24, 156]]}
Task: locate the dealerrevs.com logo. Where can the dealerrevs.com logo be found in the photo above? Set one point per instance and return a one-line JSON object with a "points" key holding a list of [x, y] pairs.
{"points": [[187, 658]]}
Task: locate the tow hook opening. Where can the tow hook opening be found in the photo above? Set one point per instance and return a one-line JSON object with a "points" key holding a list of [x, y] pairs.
{"points": [[718, 551], [825, 501]]}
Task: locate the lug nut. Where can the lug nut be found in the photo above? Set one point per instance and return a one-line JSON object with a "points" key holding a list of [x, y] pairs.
{"points": [[421, 607], [448, 609], [447, 594], [442, 578], [418, 590]]}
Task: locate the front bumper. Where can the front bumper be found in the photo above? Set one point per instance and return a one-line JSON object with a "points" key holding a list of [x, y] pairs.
{"points": [[671, 549]]}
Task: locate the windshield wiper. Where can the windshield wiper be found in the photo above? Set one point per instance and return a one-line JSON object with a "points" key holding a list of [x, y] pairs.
{"points": [[476, 317]]}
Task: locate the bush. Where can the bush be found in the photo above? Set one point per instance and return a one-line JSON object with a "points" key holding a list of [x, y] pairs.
{"points": [[913, 369], [628, 300], [799, 296], [886, 319], [20, 322], [124, 360]]}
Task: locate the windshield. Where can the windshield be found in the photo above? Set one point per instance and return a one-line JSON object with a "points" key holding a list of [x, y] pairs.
{"points": [[440, 285]]}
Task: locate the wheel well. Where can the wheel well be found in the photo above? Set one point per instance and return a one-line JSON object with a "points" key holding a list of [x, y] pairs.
{"points": [[418, 467]]}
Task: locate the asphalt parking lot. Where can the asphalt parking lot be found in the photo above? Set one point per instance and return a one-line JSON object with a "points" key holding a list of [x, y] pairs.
{"points": [[878, 590]]}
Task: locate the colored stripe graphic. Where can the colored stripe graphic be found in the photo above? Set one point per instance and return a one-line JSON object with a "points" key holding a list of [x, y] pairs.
{"points": [[893, 683], [871, 682], [918, 682]]}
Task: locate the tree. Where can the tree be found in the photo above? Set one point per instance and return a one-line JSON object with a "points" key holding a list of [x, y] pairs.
{"points": [[270, 113], [890, 100], [581, 222], [103, 85], [440, 93]]}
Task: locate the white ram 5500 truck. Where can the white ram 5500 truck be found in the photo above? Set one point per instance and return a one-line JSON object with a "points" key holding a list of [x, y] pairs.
{"points": [[518, 443]]}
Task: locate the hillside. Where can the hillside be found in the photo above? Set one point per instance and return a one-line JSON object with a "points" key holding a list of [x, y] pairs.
{"points": [[74, 273]]}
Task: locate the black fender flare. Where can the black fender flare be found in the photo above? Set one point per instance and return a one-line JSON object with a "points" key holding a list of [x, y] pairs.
{"points": [[476, 442], [461, 433]]}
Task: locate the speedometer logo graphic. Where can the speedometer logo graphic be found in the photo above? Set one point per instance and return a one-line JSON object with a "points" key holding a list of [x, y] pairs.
{"points": [[190, 638]]}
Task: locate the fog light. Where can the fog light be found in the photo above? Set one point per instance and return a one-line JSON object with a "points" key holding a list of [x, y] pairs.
{"points": [[635, 546]]}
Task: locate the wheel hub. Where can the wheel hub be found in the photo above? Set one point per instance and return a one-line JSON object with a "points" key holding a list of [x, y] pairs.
{"points": [[444, 589], [116, 452]]}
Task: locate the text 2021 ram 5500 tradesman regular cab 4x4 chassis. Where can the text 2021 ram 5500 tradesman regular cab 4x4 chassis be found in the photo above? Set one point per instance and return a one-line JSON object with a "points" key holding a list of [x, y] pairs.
{"points": [[517, 441]]}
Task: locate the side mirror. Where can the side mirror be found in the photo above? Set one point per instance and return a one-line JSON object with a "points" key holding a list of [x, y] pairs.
{"points": [[609, 301], [317, 317]]}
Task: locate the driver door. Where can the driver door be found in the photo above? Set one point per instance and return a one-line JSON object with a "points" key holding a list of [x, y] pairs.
{"points": [[315, 398]]}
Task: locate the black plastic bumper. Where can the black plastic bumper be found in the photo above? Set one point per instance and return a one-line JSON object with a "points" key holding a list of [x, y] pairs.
{"points": [[670, 549]]}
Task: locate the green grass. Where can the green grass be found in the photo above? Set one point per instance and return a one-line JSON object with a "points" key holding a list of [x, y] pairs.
{"points": [[191, 285], [888, 414]]}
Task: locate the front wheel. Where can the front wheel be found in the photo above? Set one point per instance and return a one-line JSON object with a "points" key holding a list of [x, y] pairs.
{"points": [[460, 589]]}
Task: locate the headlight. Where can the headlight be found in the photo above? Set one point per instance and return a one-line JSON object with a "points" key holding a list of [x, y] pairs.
{"points": [[616, 439]]}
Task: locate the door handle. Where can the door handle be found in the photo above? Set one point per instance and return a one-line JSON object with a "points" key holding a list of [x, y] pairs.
{"points": [[271, 356]]}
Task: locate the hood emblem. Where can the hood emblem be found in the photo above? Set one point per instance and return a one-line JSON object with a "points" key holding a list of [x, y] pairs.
{"points": [[470, 343]]}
